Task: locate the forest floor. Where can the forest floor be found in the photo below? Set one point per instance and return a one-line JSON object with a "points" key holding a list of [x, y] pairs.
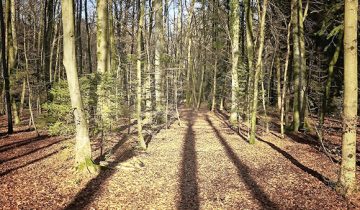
{"points": [[202, 164]]}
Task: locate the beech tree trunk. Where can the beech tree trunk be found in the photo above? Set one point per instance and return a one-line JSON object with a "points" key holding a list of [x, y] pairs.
{"points": [[257, 73], [141, 141], [347, 179], [83, 159], [235, 29]]}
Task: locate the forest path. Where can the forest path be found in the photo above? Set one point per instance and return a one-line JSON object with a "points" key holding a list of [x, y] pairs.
{"points": [[205, 165], [202, 164]]}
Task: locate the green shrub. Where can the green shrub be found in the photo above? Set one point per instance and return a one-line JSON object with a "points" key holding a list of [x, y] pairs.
{"points": [[58, 117]]}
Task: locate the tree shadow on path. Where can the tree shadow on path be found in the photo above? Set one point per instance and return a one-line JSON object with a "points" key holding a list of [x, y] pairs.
{"points": [[294, 161], [189, 192], [326, 181], [244, 172]]}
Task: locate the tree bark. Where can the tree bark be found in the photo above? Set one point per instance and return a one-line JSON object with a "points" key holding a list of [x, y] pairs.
{"points": [[296, 64], [88, 37], [141, 141], [235, 29], [5, 72], [82, 147], [257, 73], [347, 179]]}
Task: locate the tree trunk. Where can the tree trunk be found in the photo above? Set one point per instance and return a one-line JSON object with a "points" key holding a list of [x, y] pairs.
{"points": [[159, 45], [88, 37], [22, 99], [303, 72], [82, 147], [296, 64], [284, 89], [257, 73], [326, 96], [102, 57], [5, 72], [250, 53], [78, 35], [235, 29], [48, 36], [347, 179], [141, 141], [188, 41], [278, 82]]}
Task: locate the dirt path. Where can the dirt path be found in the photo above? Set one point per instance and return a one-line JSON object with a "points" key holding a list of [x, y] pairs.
{"points": [[200, 165], [205, 165]]}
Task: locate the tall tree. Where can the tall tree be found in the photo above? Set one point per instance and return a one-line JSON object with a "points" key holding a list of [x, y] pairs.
{"points": [[48, 36], [257, 72], [296, 64], [347, 179], [250, 51], [78, 35], [234, 32], [5, 71], [102, 22], [83, 159], [11, 46], [88, 36], [141, 141], [159, 45]]}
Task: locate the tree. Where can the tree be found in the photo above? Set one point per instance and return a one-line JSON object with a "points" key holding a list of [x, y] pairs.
{"points": [[141, 141], [83, 159], [159, 45], [88, 36], [235, 30], [12, 48], [5, 71], [250, 51], [257, 72], [296, 64], [48, 36], [102, 23], [347, 179]]}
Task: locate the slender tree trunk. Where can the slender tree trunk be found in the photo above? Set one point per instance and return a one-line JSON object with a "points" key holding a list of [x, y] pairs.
{"points": [[326, 96], [48, 36], [102, 36], [278, 82], [296, 64], [250, 53], [213, 103], [32, 120], [57, 60], [88, 36], [201, 87], [22, 99], [5, 72], [159, 45], [235, 29], [284, 89], [83, 159], [257, 73], [141, 141], [78, 35], [102, 57], [52, 53], [264, 99], [303, 71], [188, 41], [148, 80], [347, 178]]}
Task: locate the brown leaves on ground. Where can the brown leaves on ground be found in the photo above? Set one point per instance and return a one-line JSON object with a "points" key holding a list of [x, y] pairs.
{"points": [[202, 164]]}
